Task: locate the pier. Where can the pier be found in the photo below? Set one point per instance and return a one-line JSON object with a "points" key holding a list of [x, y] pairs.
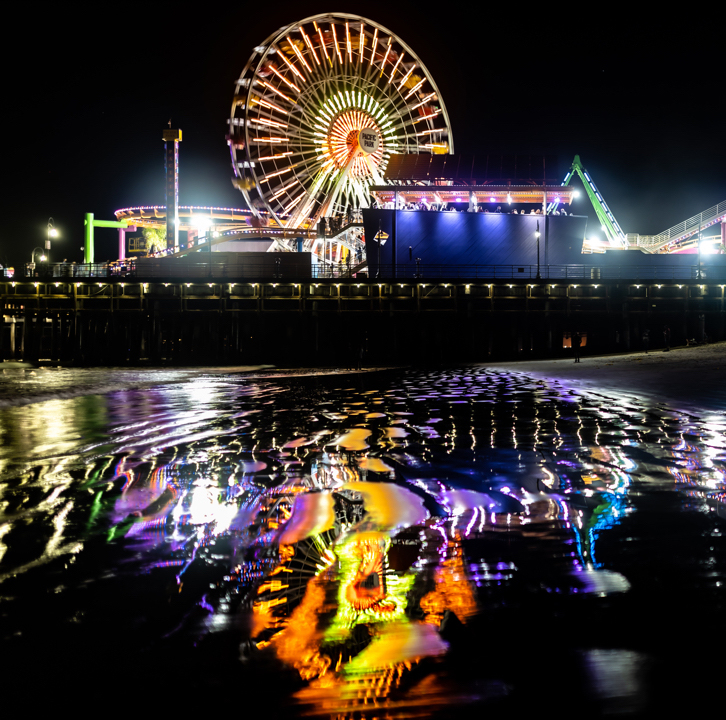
{"points": [[327, 320]]}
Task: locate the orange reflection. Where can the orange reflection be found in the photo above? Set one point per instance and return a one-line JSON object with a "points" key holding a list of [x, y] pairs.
{"points": [[367, 591], [453, 591]]}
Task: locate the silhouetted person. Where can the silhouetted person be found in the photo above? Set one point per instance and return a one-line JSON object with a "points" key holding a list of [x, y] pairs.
{"points": [[576, 342], [667, 337], [646, 341]]}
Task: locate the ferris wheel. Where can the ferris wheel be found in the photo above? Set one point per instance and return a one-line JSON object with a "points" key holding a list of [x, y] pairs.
{"points": [[318, 110]]}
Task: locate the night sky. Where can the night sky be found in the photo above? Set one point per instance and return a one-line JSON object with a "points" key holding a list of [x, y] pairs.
{"points": [[88, 93]]}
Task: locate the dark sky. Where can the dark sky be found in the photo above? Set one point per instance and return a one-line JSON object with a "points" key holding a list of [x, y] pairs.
{"points": [[88, 93]]}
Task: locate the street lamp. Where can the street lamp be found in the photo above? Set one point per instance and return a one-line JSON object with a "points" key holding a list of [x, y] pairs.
{"points": [[537, 234], [51, 233]]}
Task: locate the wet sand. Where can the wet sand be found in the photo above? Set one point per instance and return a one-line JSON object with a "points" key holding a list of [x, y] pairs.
{"points": [[686, 378]]}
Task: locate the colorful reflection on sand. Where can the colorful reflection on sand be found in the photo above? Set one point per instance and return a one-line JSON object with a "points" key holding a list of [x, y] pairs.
{"points": [[353, 532]]}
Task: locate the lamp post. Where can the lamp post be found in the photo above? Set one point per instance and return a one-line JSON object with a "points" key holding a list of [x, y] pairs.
{"points": [[42, 258], [537, 234], [51, 232]]}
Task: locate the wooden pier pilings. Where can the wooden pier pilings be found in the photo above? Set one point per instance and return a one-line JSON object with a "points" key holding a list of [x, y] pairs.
{"points": [[327, 322]]}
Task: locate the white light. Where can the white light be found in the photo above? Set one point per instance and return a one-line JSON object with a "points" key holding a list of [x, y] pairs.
{"points": [[202, 223]]}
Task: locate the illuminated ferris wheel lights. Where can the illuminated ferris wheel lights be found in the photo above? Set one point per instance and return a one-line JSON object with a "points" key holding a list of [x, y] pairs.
{"points": [[395, 67], [294, 203], [328, 167], [276, 91], [291, 66], [271, 123], [300, 55], [310, 45], [285, 80], [269, 176], [269, 105], [285, 188], [424, 101], [426, 117], [405, 77], [335, 44], [414, 88], [373, 45]]}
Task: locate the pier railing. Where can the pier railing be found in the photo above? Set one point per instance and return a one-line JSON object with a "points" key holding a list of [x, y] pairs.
{"points": [[218, 271]]}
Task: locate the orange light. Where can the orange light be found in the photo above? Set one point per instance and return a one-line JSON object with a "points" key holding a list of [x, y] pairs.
{"points": [[275, 174], [373, 46], [284, 189], [275, 90], [289, 207], [395, 67], [414, 88], [385, 57], [290, 65], [425, 100], [265, 121], [285, 80], [322, 43], [300, 55], [426, 117], [275, 157], [268, 104], [405, 77], [335, 44], [310, 45]]}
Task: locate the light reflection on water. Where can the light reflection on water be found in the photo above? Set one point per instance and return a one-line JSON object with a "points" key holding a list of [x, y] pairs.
{"points": [[362, 536]]}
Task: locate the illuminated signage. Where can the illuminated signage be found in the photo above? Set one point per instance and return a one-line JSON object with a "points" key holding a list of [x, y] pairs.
{"points": [[368, 140]]}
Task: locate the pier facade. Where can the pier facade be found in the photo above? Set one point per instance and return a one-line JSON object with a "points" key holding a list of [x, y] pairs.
{"points": [[328, 321]]}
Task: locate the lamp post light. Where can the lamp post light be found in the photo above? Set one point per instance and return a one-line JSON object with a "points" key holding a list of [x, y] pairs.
{"points": [[33, 255], [50, 233]]}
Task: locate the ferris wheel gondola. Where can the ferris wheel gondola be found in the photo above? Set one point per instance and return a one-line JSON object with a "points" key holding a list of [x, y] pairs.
{"points": [[320, 107]]}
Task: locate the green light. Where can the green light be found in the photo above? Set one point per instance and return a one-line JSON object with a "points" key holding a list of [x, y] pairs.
{"points": [[392, 605]]}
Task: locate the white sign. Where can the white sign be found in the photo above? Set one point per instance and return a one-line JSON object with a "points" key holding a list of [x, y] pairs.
{"points": [[369, 140]]}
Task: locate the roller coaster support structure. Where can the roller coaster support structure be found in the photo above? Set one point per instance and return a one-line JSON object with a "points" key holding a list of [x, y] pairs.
{"points": [[608, 223]]}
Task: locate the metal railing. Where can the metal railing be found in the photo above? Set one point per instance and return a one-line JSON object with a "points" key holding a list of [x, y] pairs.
{"points": [[683, 229], [43, 271], [549, 272], [388, 273]]}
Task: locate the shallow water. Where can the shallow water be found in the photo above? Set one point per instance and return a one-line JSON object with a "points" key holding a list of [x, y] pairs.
{"points": [[400, 544]]}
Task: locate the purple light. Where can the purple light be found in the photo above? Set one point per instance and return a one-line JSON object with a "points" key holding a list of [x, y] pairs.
{"points": [[491, 199]]}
